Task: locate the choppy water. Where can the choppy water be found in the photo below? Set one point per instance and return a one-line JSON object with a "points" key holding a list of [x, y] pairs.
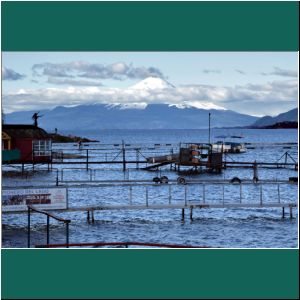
{"points": [[238, 228]]}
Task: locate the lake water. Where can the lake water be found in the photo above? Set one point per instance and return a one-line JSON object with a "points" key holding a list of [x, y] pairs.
{"points": [[229, 228]]}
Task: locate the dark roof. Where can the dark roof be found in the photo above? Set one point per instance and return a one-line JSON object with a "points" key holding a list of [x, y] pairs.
{"points": [[24, 131]]}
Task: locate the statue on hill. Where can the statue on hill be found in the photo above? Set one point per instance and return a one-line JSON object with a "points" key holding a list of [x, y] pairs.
{"points": [[35, 117]]}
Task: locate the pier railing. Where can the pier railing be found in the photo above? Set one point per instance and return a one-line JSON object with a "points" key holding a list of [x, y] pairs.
{"points": [[31, 208], [118, 244], [207, 197]]}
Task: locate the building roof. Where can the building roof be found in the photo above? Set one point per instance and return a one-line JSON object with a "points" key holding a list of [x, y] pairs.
{"points": [[24, 131]]}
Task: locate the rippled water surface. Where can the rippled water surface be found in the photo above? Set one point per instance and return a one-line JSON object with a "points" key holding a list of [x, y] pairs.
{"points": [[238, 228]]}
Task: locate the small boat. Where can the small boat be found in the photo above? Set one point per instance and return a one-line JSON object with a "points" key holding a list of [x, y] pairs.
{"points": [[229, 147]]}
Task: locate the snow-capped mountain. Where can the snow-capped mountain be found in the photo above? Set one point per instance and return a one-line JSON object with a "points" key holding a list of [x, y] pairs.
{"points": [[198, 104], [152, 103], [152, 83], [133, 105], [153, 116]]}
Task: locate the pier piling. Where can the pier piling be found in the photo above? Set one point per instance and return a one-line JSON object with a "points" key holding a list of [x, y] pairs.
{"points": [[28, 227], [48, 225], [182, 215], [191, 213], [124, 156], [87, 159]]}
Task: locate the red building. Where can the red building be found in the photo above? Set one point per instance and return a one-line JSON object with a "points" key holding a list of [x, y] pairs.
{"points": [[33, 143]]}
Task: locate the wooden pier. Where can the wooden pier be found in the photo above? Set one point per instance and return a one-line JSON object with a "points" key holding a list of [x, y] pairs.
{"points": [[220, 201], [137, 154]]}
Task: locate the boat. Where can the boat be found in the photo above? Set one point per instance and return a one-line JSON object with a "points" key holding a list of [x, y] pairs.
{"points": [[229, 147]]}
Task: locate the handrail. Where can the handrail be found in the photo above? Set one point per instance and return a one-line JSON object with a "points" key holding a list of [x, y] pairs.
{"points": [[49, 215], [125, 244]]}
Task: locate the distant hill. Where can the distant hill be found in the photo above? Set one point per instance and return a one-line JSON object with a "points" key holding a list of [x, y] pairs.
{"points": [[281, 125], [151, 116], [289, 116]]}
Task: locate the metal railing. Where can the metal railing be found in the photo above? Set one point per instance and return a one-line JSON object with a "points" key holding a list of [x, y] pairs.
{"points": [[118, 244], [49, 215]]}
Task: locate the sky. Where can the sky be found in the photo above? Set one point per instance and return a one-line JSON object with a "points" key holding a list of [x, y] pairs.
{"points": [[255, 83]]}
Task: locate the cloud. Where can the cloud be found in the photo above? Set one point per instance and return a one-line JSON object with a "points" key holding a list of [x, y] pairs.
{"points": [[240, 71], [252, 98], [116, 71], [72, 82], [208, 71], [282, 72], [9, 74]]}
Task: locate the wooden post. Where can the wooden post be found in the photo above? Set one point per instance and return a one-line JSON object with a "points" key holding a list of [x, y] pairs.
{"points": [[51, 160], [179, 162], [182, 214], [278, 192], [28, 227], [88, 216], [291, 212], [286, 155], [282, 212], [191, 213], [93, 219], [137, 159], [209, 128], [87, 159], [255, 173], [48, 225], [123, 154]]}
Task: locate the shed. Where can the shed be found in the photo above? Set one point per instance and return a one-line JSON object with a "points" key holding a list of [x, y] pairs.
{"points": [[33, 143]]}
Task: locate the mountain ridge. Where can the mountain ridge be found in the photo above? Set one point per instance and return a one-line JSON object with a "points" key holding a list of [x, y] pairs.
{"points": [[153, 116], [289, 116]]}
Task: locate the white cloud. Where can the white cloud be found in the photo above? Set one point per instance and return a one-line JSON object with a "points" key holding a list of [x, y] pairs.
{"points": [[72, 82], [282, 72], [254, 98], [83, 69], [9, 74]]}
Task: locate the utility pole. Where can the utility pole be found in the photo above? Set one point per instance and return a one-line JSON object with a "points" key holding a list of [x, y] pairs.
{"points": [[209, 128]]}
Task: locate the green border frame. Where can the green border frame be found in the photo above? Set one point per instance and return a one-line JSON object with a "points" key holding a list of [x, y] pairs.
{"points": [[150, 26], [150, 274], [145, 26]]}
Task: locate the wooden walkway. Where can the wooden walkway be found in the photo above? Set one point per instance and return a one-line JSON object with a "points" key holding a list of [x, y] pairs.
{"points": [[183, 206]]}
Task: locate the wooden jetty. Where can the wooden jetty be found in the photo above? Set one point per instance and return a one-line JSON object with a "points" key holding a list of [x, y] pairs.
{"points": [[184, 203], [167, 204], [155, 156]]}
